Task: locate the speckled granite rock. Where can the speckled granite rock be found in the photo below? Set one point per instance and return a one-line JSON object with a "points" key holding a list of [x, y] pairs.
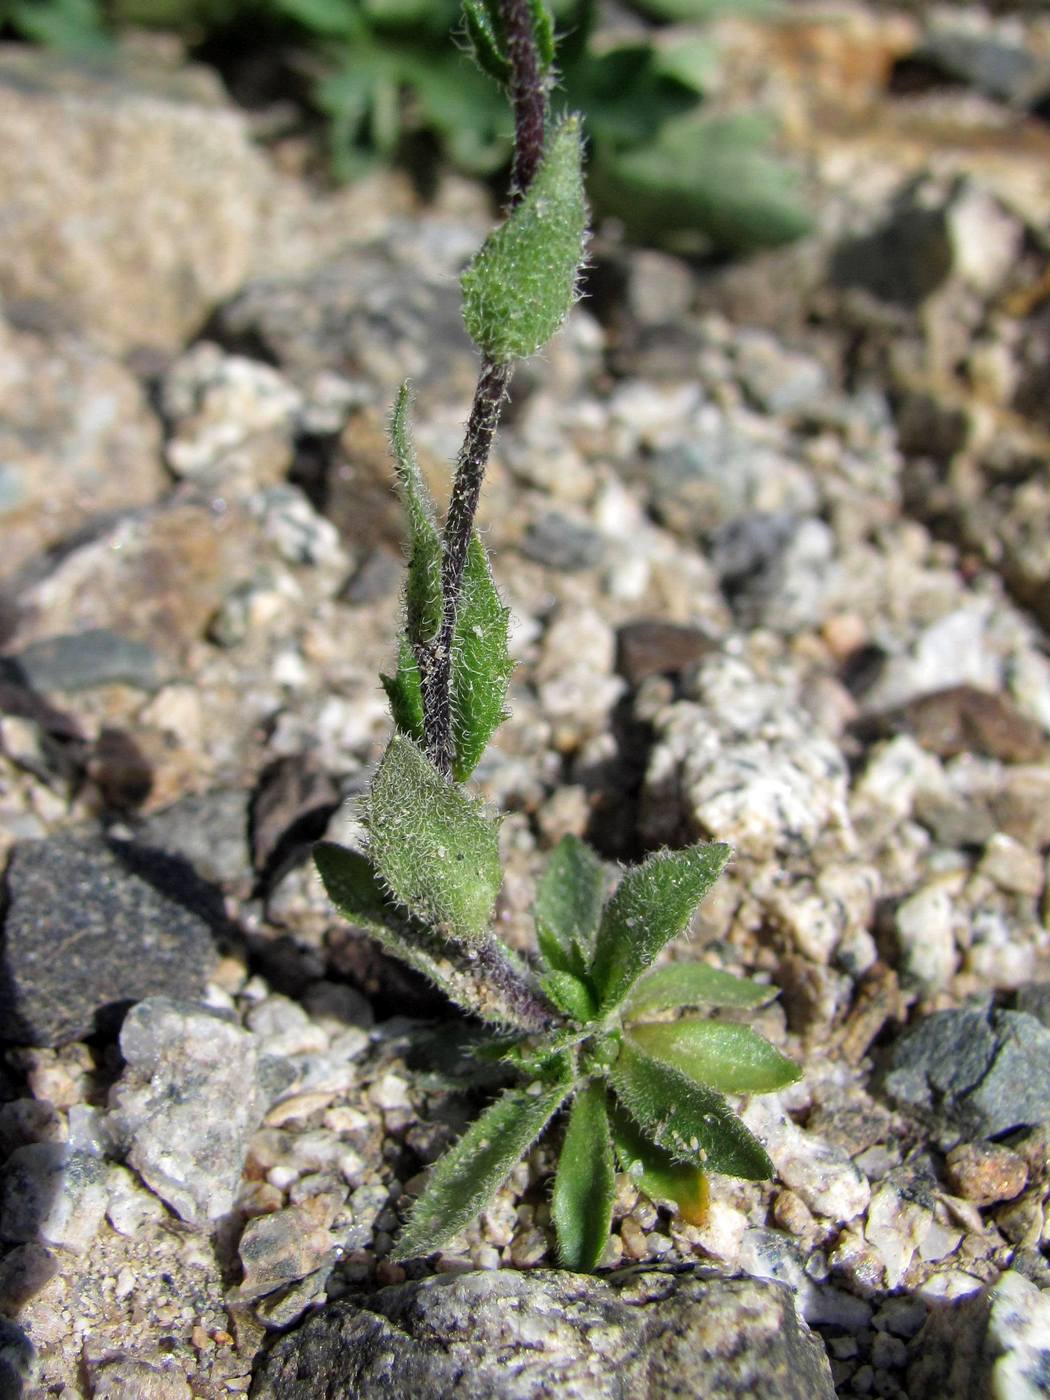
{"points": [[516, 1335]]}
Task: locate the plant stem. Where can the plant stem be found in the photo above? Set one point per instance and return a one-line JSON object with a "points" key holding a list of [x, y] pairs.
{"points": [[528, 95]]}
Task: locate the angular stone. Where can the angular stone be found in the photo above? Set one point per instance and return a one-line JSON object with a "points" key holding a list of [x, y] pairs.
{"points": [[50, 1192], [980, 1073], [77, 439], [128, 208], [503, 1335], [652, 648], [186, 1104], [93, 925]]}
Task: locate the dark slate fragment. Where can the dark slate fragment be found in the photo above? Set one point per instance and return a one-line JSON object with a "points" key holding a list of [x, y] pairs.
{"points": [[963, 719], [649, 648], [93, 925], [559, 543], [646, 1334], [83, 660], [209, 829], [979, 1073]]}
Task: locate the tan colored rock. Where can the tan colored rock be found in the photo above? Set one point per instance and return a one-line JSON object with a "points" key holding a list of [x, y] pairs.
{"points": [[128, 208], [77, 439]]}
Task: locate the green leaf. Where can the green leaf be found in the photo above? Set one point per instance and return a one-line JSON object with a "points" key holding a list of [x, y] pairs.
{"points": [[434, 847], [542, 33], [714, 175], [655, 1171], [694, 984], [569, 904], [518, 289], [686, 1119], [571, 995], [585, 1183], [652, 904], [470, 1173], [72, 27], [731, 1058], [331, 17], [486, 40], [405, 693], [423, 593], [481, 663], [355, 891]]}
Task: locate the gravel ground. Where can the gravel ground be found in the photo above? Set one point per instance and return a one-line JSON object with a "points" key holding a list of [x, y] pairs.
{"points": [[774, 537]]}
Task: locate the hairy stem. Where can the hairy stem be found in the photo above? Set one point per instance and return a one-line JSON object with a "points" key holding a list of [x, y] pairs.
{"points": [[528, 95]]}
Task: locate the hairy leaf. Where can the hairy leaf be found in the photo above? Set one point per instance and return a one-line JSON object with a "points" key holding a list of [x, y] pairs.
{"points": [[481, 663], [423, 594], [694, 984], [657, 1173], [585, 1183], [569, 905], [434, 847], [518, 289], [404, 691], [485, 33], [470, 1173], [652, 904], [570, 995], [686, 1119], [354, 889], [731, 1058]]}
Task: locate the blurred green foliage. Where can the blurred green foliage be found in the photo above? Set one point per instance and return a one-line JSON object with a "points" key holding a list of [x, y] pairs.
{"points": [[385, 70]]}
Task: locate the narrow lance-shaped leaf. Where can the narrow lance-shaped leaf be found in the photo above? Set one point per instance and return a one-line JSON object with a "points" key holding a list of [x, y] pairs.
{"points": [[569, 904], [694, 984], [434, 848], [405, 692], [731, 1058], [423, 595], [585, 1183], [353, 888], [485, 33], [652, 904], [655, 1171], [518, 290], [542, 33], [570, 995], [688, 1120], [481, 663], [470, 1173]]}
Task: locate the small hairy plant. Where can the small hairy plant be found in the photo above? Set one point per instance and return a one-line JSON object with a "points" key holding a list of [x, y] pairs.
{"points": [[586, 1028]]}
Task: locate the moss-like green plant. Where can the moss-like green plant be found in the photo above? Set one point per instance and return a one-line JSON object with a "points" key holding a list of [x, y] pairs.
{"points": [[585, 1029]]}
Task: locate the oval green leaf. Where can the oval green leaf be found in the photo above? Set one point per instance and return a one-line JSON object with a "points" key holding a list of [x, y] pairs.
{"points": [[585, 1183], [731, 1058], [694, 984]]}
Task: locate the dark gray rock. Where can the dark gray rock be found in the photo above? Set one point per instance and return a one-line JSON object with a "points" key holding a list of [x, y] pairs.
{"points": [[83, 660], [562, 544], [93, 925], [1034, 1000], [19, 1363], [774, 568], [646, 1334], [979, 1072], [1007, 72], [209, 829]]}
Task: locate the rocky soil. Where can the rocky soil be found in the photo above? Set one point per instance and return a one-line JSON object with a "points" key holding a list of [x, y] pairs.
{"points": [[775, 537]]}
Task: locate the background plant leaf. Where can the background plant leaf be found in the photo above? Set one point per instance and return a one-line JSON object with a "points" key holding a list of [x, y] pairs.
{"points": [[464, 1181], [653, 903], [434, 847], [723, 1055], [585, 1182], [694, 984], [568, 905], [481, 664], [655, 1171], [689, 1121]]}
